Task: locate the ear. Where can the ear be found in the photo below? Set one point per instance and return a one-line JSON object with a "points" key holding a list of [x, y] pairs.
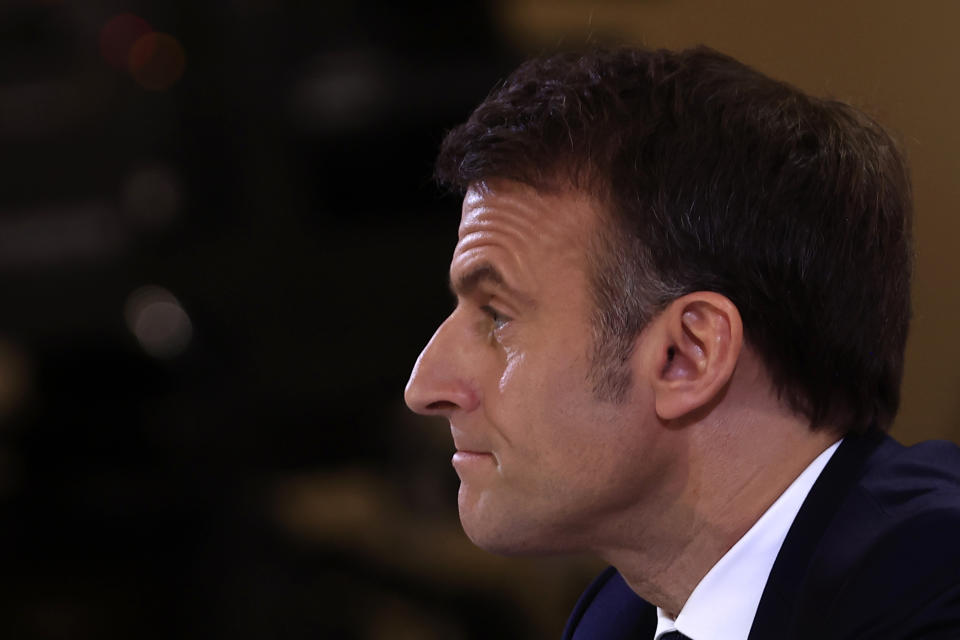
{"points": [[696, 344]]}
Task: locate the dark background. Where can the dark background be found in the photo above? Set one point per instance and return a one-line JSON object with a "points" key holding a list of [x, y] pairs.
{"points": [[215, 278]]}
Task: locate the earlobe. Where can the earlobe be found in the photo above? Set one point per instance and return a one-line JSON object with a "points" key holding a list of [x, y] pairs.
{"points": [[700, 336]]}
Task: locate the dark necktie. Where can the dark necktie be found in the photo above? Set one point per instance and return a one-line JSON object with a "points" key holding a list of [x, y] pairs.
{"points": [[673, 635]]}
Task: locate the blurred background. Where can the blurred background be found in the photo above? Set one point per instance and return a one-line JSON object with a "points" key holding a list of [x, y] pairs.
{"points": [[221, 252]]}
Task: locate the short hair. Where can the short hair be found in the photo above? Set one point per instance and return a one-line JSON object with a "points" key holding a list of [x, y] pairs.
{"points": [[712, 176]]}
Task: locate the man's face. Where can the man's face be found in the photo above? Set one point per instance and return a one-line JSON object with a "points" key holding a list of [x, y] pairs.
{"points": [[543, 464]]}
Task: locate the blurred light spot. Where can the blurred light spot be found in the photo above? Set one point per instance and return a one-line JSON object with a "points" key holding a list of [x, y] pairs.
{"points": [[157, 61], [152, 197], [118, 37], [15, 378], [159, 323], [341, 91]]}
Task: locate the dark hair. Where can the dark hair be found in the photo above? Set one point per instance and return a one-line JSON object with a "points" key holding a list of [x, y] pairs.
{"points": [[716, 177]]}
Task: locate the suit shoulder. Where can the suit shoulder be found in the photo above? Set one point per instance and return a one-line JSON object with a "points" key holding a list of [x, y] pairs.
{"points": [[905, 573], [907, 582], [906, 509], [908, 481]]}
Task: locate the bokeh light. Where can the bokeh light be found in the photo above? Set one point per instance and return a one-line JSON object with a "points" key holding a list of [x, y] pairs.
{"points": [[118, 37], [157, 61], [158, 321], [15, 377]]}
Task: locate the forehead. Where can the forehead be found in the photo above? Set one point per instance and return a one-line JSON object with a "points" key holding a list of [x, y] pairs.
{"points": [[519, 219]]}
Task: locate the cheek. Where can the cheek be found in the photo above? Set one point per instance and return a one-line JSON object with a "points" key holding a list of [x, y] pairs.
{"points": [[562, 412], [544, 406]]}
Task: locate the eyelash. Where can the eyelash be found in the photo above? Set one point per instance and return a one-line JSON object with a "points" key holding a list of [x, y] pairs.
{"points": [[498, 318]]}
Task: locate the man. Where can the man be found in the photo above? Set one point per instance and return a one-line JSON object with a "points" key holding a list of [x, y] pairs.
{"points": [[682, 303]]}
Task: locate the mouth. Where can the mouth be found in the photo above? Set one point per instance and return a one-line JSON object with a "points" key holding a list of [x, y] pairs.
{"points": [[466, 453], [464, 460]]}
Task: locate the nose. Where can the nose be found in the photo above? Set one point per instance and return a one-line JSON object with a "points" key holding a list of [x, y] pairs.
{"points": [[440, 383]]}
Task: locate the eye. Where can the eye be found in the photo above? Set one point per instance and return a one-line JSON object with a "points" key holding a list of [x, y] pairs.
{"points": [[499, 320]]}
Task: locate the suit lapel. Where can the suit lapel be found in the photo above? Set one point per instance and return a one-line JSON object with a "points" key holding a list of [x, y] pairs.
{"points": [[777, 613], [609, 609]]}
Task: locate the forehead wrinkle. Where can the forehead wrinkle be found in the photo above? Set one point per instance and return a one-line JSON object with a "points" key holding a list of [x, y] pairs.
{"points": [[522, 215], [490, 226], [489, 246], [505, 268]]}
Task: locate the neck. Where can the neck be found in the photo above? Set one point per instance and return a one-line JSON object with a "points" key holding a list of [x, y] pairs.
{"points": [[731, 476]]}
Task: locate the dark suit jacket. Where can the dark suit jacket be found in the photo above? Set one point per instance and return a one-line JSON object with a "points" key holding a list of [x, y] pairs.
{"points": [[874, 552]]}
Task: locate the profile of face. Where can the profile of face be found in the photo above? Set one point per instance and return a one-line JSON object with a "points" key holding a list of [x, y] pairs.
{"points": [[544, 464]]}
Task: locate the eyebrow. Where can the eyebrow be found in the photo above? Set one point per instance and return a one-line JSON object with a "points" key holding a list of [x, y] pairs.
{"points": [[467, 283]]}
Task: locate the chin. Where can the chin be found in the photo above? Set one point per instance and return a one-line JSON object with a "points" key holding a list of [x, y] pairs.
{"points": [[503, 544], [509, 536]]}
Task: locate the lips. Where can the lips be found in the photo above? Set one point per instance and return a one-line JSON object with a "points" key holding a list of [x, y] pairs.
{"points": [[472, 454], [467, 461]]}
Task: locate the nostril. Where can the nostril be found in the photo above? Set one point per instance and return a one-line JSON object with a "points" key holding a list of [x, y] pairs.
{"points": [[441, 405]]}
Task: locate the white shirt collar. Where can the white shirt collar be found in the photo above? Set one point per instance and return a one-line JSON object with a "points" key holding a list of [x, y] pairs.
{"points": [[724, 603]]}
